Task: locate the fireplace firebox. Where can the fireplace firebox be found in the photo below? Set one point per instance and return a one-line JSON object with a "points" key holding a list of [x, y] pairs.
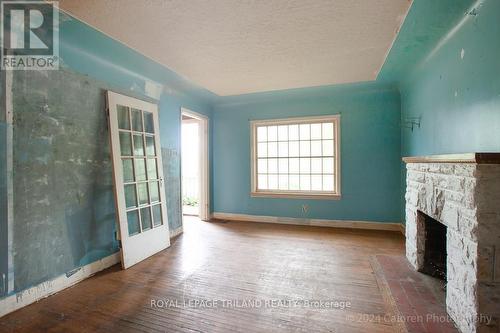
{"points": [[434, 248]]}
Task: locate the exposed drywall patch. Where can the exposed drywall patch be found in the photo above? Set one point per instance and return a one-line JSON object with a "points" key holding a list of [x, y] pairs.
{"points": [[3, 211], [3, 189], [63, 198], [172, 172], [9, 172]]}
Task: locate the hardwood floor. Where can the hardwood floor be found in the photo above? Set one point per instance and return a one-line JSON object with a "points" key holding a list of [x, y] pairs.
{"points": [[278, 267]]}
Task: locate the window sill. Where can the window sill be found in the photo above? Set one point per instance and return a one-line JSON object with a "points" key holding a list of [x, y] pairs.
{"points": [[292, 195]]}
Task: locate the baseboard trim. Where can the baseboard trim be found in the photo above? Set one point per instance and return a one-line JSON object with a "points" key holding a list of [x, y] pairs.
{"points": [[369, 225], [176, 232], [403, 229], [26, 297]]}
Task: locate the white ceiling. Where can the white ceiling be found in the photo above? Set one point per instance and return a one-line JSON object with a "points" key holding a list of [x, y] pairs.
{"points": [[242, 46]]}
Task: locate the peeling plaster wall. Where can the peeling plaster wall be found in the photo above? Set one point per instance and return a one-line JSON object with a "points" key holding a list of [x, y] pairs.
{"points": [[64, 215], [3, 209], [456, 87], [3, 190]]}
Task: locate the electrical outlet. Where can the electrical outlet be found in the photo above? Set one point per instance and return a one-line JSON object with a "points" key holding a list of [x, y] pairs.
{"points": [[305, 209]]}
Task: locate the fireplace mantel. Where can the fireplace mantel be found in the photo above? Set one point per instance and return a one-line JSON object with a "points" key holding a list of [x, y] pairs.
{"points": [[477, 158]]}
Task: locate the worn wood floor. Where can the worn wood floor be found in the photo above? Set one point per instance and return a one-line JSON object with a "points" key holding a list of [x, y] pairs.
{"points": [[228, 277]]}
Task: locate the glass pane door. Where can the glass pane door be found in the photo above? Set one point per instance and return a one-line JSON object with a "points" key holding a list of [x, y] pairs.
{"points": [[137, 171], [140, 169]]}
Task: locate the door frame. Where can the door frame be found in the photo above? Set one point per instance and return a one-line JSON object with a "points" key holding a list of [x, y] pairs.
{"points": [[204, 168]]}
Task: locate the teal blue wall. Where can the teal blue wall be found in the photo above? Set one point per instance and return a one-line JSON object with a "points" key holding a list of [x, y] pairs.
{"points": [[457, 98], [94, 62], [370, 151], [427, 22]]}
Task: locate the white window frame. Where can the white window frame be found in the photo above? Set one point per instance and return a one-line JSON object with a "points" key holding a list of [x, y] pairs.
{"points": [[299, 194]]}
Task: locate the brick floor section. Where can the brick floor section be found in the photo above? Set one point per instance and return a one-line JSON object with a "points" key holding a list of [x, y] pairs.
{"points": [[411, 302]]}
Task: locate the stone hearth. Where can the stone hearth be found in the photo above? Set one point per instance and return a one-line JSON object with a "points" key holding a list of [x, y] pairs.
{"points": [[463, 193]]}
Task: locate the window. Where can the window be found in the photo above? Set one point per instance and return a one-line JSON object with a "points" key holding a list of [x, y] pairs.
{"points": [[296, 157]]}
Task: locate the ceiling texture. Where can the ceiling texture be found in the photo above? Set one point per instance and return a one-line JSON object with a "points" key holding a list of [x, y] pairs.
{"points": [[233, 47]]}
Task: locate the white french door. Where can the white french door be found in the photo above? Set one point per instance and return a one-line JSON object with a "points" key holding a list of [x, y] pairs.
{"points": [[138, 177]]}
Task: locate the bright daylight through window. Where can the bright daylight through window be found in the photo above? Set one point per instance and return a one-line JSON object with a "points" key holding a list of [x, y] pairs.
{"points": [[296, 157]]}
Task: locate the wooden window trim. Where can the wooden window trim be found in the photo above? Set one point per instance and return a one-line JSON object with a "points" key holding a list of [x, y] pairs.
{"points": [[296, 194]]}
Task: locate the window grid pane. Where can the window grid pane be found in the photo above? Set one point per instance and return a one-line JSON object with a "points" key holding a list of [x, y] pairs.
{"points": [[136, 120], [150, 146], [296, 157], [157, 221], [148, 122], [123, 117]]}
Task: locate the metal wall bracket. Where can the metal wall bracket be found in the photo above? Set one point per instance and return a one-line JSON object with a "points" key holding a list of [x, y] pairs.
{"points": [[412, 122]]}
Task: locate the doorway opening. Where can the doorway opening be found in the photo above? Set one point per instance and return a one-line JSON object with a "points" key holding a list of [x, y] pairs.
{"points": [[194, 164]]}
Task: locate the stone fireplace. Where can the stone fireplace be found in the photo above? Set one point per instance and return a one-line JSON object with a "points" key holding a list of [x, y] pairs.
{"points": [[453, 215]]}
